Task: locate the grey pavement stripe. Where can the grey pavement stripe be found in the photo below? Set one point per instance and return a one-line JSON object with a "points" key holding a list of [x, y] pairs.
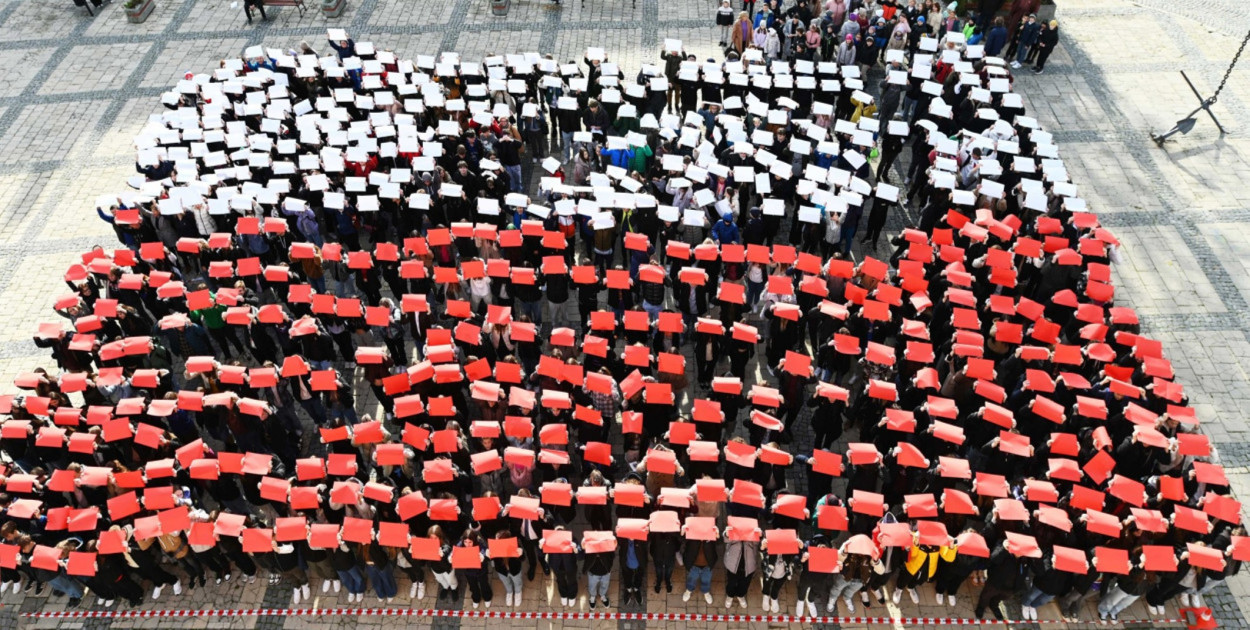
{"points": [[453, 27]]}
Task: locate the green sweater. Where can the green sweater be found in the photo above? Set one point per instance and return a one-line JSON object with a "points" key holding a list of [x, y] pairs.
{"points": [[638, 162], [211, 317]]}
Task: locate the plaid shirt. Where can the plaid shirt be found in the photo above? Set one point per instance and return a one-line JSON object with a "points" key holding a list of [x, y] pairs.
{"points": [[607, 404]]}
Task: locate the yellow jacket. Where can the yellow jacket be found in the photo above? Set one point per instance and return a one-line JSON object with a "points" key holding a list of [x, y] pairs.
{"points": [[917, 558], [862, 110]]}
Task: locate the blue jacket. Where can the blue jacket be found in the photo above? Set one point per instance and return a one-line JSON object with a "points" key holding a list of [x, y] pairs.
{"points": [[1029, 33], [618, 157], [345, 51], [995, 41], [725, 232]]}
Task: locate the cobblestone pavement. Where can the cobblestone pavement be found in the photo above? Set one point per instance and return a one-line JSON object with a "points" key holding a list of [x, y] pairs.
{"points": [[79, 88]]}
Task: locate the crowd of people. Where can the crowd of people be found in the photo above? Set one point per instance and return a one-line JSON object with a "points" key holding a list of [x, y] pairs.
{"points": [[349, 333], [852, 32]]}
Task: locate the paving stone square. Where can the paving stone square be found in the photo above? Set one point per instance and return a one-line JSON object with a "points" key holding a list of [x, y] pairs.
{"points": [[78, 89], [48, 132]]}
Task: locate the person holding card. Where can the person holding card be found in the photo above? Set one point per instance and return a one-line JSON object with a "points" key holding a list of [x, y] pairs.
{"points": [[777, 569], [741, 561], [664, 548], [855, 569], [700, 558], [145, 561], [562, 558], [444, 573], [478, 578], [112, 579], [598, 567]]}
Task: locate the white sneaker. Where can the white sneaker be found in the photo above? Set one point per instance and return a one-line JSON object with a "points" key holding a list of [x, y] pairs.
{"points": [[850, 604], [564, 602], [421, 591], [776, 607], [109, 603], [707, 597], [475, 605], [178, 587], [99, 601], [390, 599], [508, 600], [811, 609], [412, 591], [764, 606], [950, 601], [729, 602], [898, 595], [156, 592], [307, 592], [1196, 599], [1028, 613], [833, 603], [915, 597], [742, 601], [798, 609], [1184, 600], [295, 597], [941, 599], [685, 597], [227, 578], [325, 587], [517, 600], [487, 603], [337, 584]]}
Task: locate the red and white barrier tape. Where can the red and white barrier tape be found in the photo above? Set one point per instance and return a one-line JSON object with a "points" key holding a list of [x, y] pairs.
{"points": [[506, 614]]}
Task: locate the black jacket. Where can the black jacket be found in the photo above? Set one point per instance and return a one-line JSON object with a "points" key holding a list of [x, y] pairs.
{"points": [[691, 551], [599, 563]]}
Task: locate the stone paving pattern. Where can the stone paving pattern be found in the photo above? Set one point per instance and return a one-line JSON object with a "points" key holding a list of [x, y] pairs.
{"points": [[78, 88]]}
